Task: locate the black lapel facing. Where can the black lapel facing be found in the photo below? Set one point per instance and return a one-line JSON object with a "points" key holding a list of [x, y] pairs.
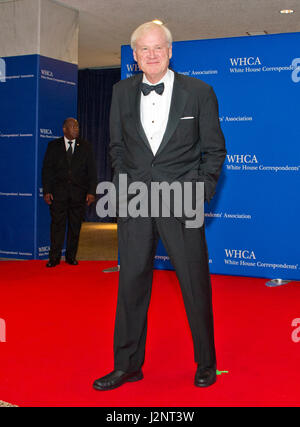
{"points": [[136, 108], [77, 145], [76, 149], [62, 148], [178, 101]]}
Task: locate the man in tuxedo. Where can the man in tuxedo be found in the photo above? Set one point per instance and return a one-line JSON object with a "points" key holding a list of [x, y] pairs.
{"points": [[164, 128], [69, 184]]}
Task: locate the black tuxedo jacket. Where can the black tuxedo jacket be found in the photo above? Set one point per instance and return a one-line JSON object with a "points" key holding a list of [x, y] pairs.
{"points": [[64, 181], [193, 146]]}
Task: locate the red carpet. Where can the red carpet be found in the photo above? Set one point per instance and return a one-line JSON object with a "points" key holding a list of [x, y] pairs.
{"points": [[59, 336]]}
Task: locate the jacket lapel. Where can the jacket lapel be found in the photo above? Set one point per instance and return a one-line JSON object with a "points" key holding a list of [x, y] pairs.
{"points": [[136, 108], [178, 101], [62, 149], [76, 150]]}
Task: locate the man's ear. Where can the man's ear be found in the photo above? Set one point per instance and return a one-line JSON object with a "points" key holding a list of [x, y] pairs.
{"points": [[170, 52], [134, 56]]}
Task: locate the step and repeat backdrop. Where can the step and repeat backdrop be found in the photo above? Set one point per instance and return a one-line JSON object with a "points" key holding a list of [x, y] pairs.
{"points": [[252, 224], [37, 94]]}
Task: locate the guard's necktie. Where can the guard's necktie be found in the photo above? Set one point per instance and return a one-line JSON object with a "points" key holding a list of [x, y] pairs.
{"points": [[70, 152], [146, 89]]}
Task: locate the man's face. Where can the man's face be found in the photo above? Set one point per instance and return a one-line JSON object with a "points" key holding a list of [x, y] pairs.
{"points": [[71, 129], [153, 54]]}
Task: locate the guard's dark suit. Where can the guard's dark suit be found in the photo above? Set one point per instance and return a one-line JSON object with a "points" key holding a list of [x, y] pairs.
{"points": [[192, 149], [69, 184]]}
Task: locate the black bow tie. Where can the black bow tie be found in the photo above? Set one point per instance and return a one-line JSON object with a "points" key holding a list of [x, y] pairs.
{"points": [[146, 89]]}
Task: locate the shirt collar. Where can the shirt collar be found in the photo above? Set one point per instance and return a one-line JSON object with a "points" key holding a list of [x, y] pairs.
{"points": [[67, 140], [167, 78]]}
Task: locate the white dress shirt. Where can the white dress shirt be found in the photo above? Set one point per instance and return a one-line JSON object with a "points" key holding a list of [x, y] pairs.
{"points": [[68, 145], [155, 111]]}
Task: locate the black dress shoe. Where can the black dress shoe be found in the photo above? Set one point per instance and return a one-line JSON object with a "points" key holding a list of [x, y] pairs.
{"points": [[71, 261], [205, 377], [116, 379], [52, 263]]}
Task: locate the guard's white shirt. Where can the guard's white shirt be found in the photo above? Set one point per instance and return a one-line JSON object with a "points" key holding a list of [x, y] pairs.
{"points": [[68, 145], [155, 110]]}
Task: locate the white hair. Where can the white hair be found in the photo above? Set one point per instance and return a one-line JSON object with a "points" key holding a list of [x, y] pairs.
{"points": [[148, 26]]}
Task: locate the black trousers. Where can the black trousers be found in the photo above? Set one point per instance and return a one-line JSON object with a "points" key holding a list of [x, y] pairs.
{"points": [[65, 214], [187, 250]]}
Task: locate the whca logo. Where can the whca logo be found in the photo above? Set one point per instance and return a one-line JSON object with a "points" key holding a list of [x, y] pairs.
{"points": [[241, 158], [2, 71], [296, 71], [239, 254]]}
